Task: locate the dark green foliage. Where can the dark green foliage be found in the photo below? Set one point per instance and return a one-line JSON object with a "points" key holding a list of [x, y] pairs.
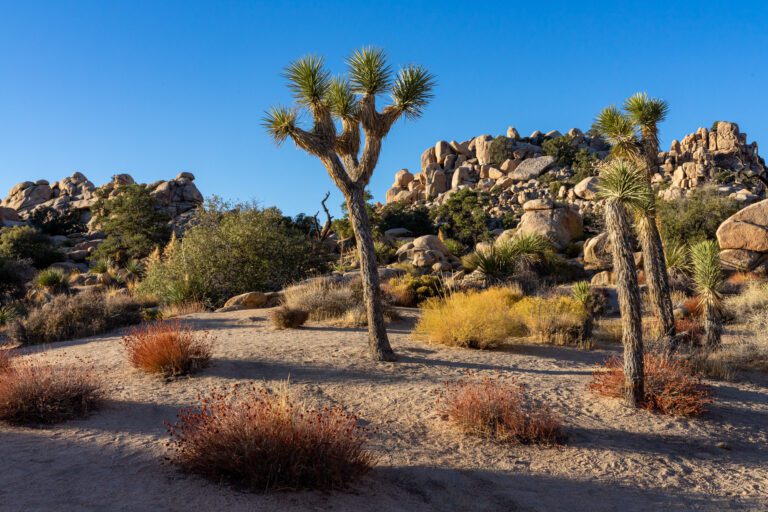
{"points": [[132, 226], [696, 217], [232, 250], [584, 165], [561, 148], [51, 221], [27, 243], [413, 218], [343, 226], [13, 277], [464, 217], [501, 149]]}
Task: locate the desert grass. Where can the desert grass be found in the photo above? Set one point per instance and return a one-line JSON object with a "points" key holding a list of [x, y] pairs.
{"points": [[284, 317], [269, 441], [168, 348], [168, 311], [499, 409], [557, 320]]}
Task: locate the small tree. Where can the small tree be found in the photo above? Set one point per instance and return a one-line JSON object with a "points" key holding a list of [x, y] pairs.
{"points": [[708, 277], [351, 102], [132, 226], [623, 186]]}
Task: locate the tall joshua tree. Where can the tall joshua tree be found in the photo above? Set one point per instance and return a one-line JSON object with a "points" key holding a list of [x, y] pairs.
{"points": [[621, 130], [708, 277], [623, 187], [340, 107]]}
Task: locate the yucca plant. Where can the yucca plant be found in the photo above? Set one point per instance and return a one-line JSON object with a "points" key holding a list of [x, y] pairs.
{"points": [[136, 267], [582, 293], [52, 279], [622, 186], [708, 278], [521, 253], [8, 314], [678, 265], [634, 136], [100, 266], [351, 102]]}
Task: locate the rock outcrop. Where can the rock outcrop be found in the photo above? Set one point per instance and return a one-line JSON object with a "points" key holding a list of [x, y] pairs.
{"points": [[743, 238], [428, 252]]}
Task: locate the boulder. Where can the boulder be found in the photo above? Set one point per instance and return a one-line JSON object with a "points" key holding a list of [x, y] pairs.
{"points": [[402, 178], [532, 168], [483, 149], [747, 229], [587, 188], [249, 300], [598, 253], [442, 150], [744, 261], [428, 157], [512, 133], [560, 224]]}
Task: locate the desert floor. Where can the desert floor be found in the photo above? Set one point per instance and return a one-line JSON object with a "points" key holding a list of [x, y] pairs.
{"points": [[614, 459]]}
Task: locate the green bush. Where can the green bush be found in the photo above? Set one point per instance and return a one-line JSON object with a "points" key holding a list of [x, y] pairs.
{"points": [[399, 215], [132, 226], [75, 316], [584, 164], [57, 222], [384, 252], [27, 243], [14, 276], [696, 217], [52, 279], [524, 253], [501, 149], [411, 290], [561, 148], [464, 216], [231, 250]]}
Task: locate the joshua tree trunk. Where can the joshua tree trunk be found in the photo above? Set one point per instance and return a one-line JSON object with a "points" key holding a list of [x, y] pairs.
{"points": [[713, 326], [655, 267], [619, 230], [378, 342]]}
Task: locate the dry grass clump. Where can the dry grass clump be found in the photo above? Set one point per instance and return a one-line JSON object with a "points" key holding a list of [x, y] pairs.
{"points": [[558, 320], [68, 317], [284, 317], [499, 409], [168, 348], [729, 359], [268, 441], [181, 309], [411, 290], [469, 319], [671, 386], [333, 301], [33, 393], [753, 300]]}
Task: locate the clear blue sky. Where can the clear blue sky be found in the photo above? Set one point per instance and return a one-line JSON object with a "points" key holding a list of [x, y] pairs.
{"points": [[155, 87]]}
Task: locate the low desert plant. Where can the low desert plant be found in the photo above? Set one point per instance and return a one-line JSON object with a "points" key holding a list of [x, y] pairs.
{"points": [[411, 290], [285, 317], [8, 314], [499, 409], [32, 392], [76, 316], [100, 266], [671, 386], [52, 279], [690, 330], [181, 309], [753, 300], [268, 441], [469, 319], [168, 348], [557, 319]]}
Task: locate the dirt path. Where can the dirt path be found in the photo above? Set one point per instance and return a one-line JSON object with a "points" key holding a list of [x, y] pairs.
{"points": [[615, 459]]}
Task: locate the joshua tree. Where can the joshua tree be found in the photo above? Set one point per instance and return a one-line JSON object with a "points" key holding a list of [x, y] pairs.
{"points": [[708, 277], [351, 102], [643, 115], [623, 186]]}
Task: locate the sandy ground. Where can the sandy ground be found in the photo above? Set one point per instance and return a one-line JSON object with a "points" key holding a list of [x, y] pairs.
{"points": [[615, 458]]}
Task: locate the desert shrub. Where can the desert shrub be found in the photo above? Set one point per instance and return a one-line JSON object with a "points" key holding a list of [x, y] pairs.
{"points": [[454, 246], [557, 319], [52, 221], [26, 243], [464, 217], [100, 266], [499, 409], [167, 348], [469, 319], [268, 441], [336, 301], [76, 316], [695, 217], [181, 309], [229, 251], [52, 279], [400, 215], [671, 386], [501, 149], [132, 225], [411, 290], [384, 252], [561, 148], [748, 305], [32, 392], [690, 330], [284, 317], [524, 253], [8, 314], [693, 307], [14, 276]]}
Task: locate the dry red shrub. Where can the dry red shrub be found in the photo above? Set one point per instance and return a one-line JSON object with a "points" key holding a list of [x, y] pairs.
{"points": [[499, 409], [32, 392], [671, 386], [690, 330], [168, 348], [693, 306], [266, 441]]}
